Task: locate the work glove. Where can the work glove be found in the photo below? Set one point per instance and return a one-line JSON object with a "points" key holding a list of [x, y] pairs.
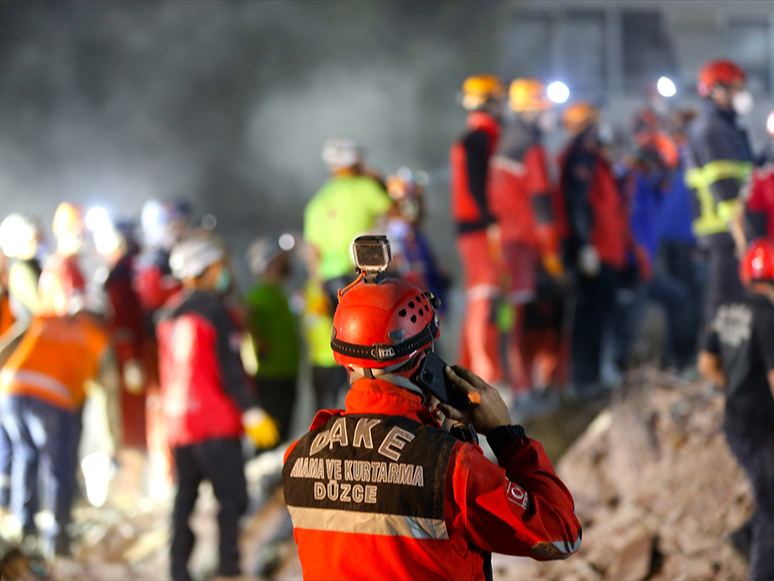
{"points": [[261, 428], [588, 261], [134, 378], [552, 264]]}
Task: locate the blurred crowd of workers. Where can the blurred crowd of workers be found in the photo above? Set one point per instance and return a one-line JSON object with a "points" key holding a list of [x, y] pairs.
{"points": [[583, 249], [559, 261]]}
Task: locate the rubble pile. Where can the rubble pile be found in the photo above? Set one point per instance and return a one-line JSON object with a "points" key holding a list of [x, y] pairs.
{"points": [[656, 489]]}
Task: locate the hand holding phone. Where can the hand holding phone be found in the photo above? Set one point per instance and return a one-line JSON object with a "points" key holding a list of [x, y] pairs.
{"points": [[433, 380], [491, 411]]}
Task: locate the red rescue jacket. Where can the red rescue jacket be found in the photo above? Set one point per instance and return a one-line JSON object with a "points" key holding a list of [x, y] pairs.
{"points": [[520, 192], [367, 505], [469, 161], [592, 209], [203, 387]]}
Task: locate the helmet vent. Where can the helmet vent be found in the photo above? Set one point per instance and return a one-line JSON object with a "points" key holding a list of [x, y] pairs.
{"points": [[413, 318], [421, 312], [402, 312], [411, 305]]}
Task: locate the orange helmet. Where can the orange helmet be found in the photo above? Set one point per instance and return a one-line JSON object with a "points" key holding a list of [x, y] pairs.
{"points": [[480, 89], [758, 263], [718, 72], [378, 325], [69, 219], [578, 117], [528, 95]]}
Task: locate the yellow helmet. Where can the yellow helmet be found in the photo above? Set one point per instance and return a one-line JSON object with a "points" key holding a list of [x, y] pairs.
{"points": [[579, 116], [479, 89], [68, 219], [528, 95]]}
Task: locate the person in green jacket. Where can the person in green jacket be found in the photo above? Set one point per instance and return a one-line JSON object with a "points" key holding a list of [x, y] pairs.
{"points": [[349, 204], [274, 331]]}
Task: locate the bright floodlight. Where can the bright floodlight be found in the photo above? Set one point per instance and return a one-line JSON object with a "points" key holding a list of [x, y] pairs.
{"points": [[666, 87], [558, 92], [287, 242], [97, 218]]}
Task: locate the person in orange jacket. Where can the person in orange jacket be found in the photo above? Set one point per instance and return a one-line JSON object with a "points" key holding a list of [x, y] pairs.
{"points": [[43, 391], [478, 235], [385, 490], [521, 199], [62, 281]]}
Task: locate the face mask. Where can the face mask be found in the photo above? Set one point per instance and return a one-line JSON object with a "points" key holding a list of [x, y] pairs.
{"points": [[605, 133], [548, 120], [743, 102], [224, 282]]}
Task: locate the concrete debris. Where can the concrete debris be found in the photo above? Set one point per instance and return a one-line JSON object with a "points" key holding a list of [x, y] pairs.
{"points": [[656, 487]]}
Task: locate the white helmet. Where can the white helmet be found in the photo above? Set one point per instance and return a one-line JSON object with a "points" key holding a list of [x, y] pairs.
{"points": [[341, 154], [260, 254], [19, 236], [191, 257]]}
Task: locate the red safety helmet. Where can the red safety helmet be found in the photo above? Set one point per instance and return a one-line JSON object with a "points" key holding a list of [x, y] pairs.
{"points": [[723, 72], [758, 263], [378, 325]]}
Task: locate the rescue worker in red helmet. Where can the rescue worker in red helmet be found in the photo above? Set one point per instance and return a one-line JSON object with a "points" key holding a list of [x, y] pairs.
{"points": [[478, 236], [759, 196], [521, 199], [719, 163], [737, 356], [380, 491]]}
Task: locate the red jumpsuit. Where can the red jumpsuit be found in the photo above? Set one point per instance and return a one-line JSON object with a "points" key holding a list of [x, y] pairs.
{"points": [[521, 199], [469, 162], [430, 513]]}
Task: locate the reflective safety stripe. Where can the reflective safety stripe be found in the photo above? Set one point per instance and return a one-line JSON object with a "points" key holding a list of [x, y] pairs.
{"points": [[38, 381], [557, 549], [720, 169], [568, 548], [368, 523], [714, 217], [482, 291]]}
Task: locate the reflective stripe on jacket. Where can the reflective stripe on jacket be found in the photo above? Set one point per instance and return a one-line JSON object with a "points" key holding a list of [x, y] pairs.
{"points": [[719, 163], [381, 492], [203, 387]]}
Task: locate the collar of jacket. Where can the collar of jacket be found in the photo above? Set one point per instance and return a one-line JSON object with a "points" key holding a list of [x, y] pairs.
{"points": [[727, 115], [375, 396], [483, 121]]}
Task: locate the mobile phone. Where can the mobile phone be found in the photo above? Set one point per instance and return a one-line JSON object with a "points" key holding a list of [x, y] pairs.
{"points": [[431, 378]]}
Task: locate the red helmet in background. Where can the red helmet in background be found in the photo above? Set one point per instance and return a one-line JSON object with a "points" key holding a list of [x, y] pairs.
{"points": [[718, 72], [758, 263], [378, 325]]}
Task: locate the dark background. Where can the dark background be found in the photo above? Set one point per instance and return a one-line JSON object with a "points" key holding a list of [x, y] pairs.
{"points": [[228, 103]]}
